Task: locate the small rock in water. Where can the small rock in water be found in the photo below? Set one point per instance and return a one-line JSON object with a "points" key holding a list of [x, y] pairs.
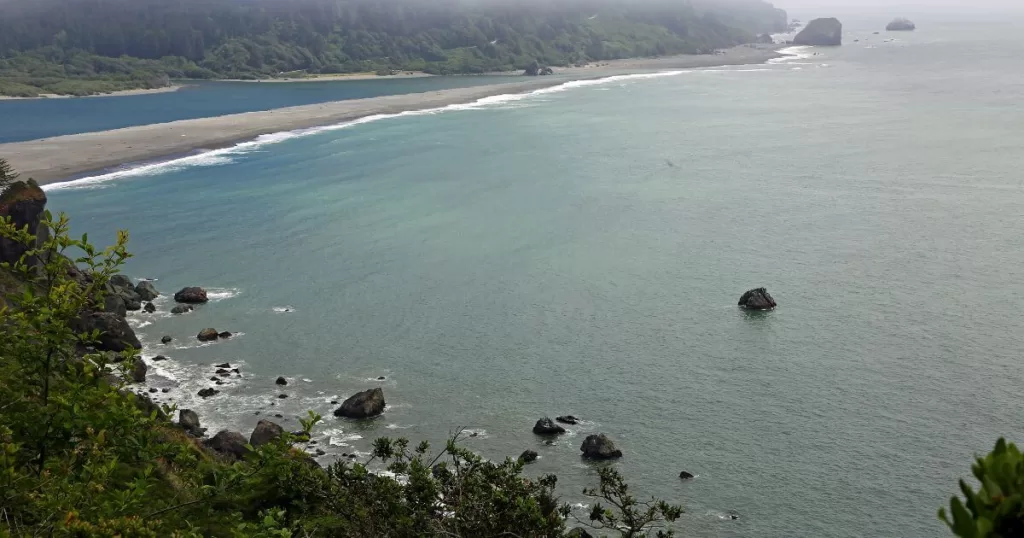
{"points": [[159, 358], [279, 416], [225, 365], [149, 308], [320, 452], [529, 456], [219, 382], [192, 295], [757, 299], [236, 371], [225, 334], [599, 447], [282, 396], [181, 309], [366, 404], [546, 426], [334, 402], [207, 335], [207, 392], [165, 390], [221, 371], [152, 389], [685, 475], [282, 381], [166, 340], [568, 419], [381, 378], [214, 378]]}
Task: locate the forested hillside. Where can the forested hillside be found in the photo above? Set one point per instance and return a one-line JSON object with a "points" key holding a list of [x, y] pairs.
{"points": [[57, 45]]}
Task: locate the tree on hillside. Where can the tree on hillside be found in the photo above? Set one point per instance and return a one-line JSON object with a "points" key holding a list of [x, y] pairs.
{"points": [[996, 510], [7, 175]]}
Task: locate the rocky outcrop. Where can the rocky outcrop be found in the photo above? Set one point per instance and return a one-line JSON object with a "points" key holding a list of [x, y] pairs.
{"points": [[529, 456], [207, 335], [546, 426], [366, 404], [281, 381], [757, 299], [229, 444], [24, 203], [568, 419], [265, 432], [189, 421], [139, 370], [114, 304], [121, 287], [900, 25], [149, 308], [115, 334], [191, 295], [146, 291], [821, 33], [599, 447]]}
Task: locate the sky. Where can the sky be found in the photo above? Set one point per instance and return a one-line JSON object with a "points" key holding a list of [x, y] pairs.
{"points": [[916, 5]]}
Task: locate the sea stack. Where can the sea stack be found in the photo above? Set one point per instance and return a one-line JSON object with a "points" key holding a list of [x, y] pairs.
{"points": [[821, 33], [757, 299], [900, 25]]}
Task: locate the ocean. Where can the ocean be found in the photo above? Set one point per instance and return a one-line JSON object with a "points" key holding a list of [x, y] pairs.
{"points": [[580, 250]]}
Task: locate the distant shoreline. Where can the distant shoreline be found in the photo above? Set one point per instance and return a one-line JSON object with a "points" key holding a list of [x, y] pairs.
{"points": [[118, 93], [64, 158]]}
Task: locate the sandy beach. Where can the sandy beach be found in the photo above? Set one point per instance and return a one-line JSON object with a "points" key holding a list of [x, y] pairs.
{"points": [[119, 93], [335, 78], [60, 158]]}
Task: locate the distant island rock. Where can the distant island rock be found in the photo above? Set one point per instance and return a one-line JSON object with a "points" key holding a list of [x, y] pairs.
{"points": [[900, 25], [821, 33]]}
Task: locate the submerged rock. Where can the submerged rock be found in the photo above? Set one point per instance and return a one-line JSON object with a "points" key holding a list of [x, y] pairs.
{"points": [[529, 456], [224, 334], [146, 291], [685, 475], [900, 25], [368, 403], [207, 335], [223, 365], [757, 299], [181, 309], [193, 295], [281, 381], [599, 447], [207, 392], [265, 432], [568, 419], [166, 340], [546, 426], [228, 443], [821, 32]]}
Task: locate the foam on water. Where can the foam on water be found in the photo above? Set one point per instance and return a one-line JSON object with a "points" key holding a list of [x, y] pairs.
{"points": [[790, 54], [219, 157]]}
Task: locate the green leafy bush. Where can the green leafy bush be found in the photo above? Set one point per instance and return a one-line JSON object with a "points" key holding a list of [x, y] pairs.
{"points": [[996, 510]]}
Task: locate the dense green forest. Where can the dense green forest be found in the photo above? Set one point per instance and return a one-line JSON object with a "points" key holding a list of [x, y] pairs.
{"points": [[84, 46]]}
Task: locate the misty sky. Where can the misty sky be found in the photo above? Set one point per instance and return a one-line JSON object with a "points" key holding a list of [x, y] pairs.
{"points": [[893, 5]]}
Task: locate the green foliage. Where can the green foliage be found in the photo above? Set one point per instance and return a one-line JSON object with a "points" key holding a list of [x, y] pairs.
{"points": [[82, 456], [119, 44], [624, 513], [996, 510]]}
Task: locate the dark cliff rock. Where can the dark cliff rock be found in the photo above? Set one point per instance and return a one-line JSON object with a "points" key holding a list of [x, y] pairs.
{"points": [[229, 444], [757, 299], [115, 333], [146, 290], [191, 295], [24, 203], [368, 403], [822, 33], [599, 447], [265, 432], [900, 25]]}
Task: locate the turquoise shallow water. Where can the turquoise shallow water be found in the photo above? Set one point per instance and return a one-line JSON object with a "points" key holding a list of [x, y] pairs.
{"points": [[581, 251]]}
